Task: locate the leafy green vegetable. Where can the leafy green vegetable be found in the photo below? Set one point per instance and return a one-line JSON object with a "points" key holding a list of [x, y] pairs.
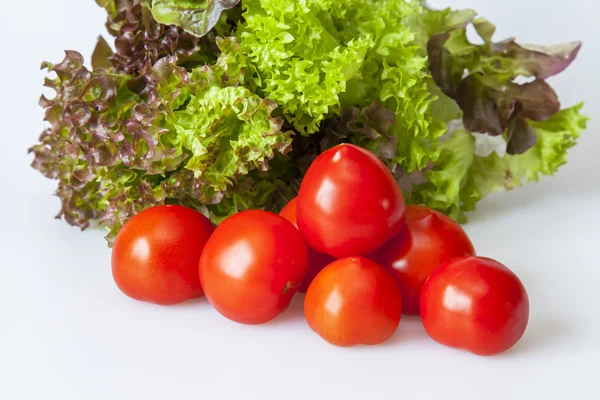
{"points": [[295, 60], [102, 55], [194, 16], [481, 79], [460, 178], [186, 138], [221, 105], [309, 59], [109, 5], [141, 41]]}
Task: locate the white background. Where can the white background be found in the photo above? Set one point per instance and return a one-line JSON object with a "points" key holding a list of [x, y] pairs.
{"points": [[66, 332]]}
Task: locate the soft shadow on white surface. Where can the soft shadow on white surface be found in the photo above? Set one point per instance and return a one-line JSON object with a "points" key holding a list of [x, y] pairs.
{"points": [[293, 314], [541, 336], [410, 332], [501, 204], [200, 302]]}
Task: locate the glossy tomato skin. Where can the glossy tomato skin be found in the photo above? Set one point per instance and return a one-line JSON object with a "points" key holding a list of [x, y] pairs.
{"points": [[429, 238], [155, 255], [316, 261], [353, 301], [349, 204], [252, 266], [475, 303]]}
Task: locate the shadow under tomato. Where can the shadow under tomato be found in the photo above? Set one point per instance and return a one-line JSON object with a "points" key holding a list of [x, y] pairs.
{"points": [[294, 313], [540, 336], [410, 330], [192, 303]]}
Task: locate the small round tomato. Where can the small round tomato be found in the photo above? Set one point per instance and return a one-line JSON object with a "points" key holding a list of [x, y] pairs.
{"points": [[475, 303], [349, 203], [316, 261], [252, 266], [353, 301], [155, 255], [428, 239]]}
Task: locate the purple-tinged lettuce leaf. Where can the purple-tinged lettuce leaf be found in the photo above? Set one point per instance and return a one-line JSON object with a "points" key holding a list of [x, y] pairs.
{"points": [[194, 139], [537, 99], [140, 40], [520, 136], [367, 127], [102, 55], [480, 78], [480, 106], [542, 61], [460, 178]]}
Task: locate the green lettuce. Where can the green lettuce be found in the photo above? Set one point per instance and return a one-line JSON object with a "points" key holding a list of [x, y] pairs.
{"points": [[306, 57], [195, 16], [194, 138], [295, 58], [482, 78], [460, 178], [221, 105]]}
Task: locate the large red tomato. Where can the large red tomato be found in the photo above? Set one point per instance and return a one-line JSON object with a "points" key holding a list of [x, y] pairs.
{"points": [[316, 261], [155, 256], [252, 266], [352, 301], [428, 239], [349, 203], [475, 303]]}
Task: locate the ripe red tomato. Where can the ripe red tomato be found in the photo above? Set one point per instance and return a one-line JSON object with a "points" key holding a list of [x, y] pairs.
{"points": [[349, 203], [252, 265], [428, 239], [475, 303], [316, 261], [352, 301], [155, 256]]}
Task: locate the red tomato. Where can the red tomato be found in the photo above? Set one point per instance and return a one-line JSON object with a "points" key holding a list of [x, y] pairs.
{"points": [[475, 303], [252, 266], [352, 301], [316, 261], [428, 239], [155, 256], [349, 203]]}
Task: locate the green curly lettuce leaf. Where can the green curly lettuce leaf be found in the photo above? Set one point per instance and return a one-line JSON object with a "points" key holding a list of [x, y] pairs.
{"points": [[295, 58], [395, 72], [308, 58], [228, 130]]}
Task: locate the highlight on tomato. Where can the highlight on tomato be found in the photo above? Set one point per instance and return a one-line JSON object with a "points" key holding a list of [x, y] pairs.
{"points": [[252, 265], [353, 301], [155, 255], [428, 239], [475, 303], [349, 204]]}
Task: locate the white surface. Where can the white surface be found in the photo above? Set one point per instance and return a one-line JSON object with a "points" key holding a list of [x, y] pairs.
{"points": [[66, 332]]}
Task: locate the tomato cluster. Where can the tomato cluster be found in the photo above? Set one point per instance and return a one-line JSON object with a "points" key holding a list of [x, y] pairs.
{"points": [[349, 242]]}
